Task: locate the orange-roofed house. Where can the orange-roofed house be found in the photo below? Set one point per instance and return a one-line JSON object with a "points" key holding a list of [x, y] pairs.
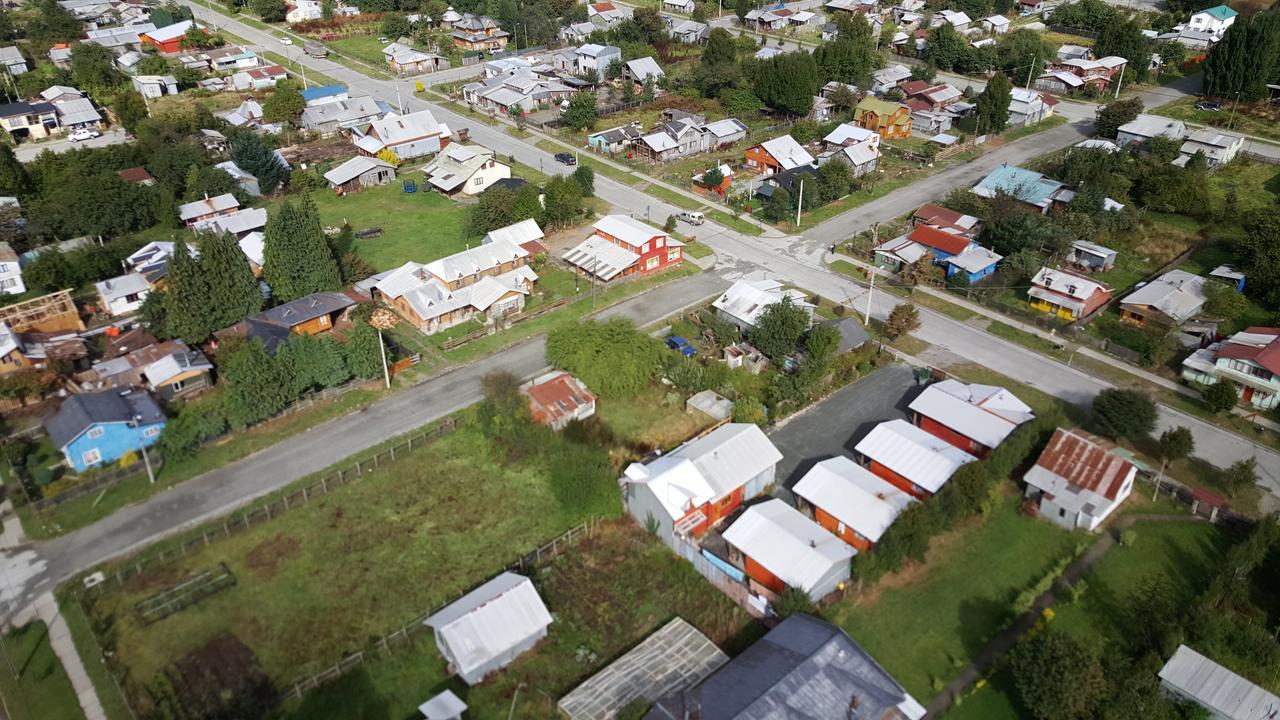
{"points": [[558, 398], [1077, 483]]}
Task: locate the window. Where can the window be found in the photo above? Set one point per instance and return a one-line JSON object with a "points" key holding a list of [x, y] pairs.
{"points": [[657, 242], [673, 254], [8, 283], [644, 248], [651, 263], [151, 432], [478, 181], [96, 432], [91, 457], [1062, 512]]}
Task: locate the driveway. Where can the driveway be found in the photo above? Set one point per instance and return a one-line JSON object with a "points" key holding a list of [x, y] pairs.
{"points": [[835, 425], [29, 151]]}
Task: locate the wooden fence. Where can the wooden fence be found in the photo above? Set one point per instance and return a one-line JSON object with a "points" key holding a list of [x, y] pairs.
{"points": [[506, 322]]}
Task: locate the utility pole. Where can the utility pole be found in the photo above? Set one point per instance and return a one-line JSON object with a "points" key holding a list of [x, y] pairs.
{"points": [[799, 202], [866, 314], [1119, 83], [1031, 70], [142, 443], [386, 372], [1234, 106]]}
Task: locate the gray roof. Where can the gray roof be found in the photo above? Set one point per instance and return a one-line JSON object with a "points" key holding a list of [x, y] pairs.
{"points": [[1212, 686], [852, 334], [804, 668], [354, 168], [79, 412], [305, 308]]}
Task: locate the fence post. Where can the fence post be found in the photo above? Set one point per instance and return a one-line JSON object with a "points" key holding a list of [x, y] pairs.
{"points": [[305, 499], [393, 453], [324, 482]]}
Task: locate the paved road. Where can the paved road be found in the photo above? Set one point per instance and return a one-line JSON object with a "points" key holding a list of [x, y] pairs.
{"points": [[42, 566], [27, 152]]}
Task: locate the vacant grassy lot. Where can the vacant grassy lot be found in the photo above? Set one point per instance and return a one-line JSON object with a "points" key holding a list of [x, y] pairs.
{"points": [[41, 691], [320, 581], [1252, 185], [1249, 118], [606, 593], [925, 623]]}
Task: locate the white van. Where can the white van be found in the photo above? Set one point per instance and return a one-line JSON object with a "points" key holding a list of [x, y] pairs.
{"points": [[693, 218]]}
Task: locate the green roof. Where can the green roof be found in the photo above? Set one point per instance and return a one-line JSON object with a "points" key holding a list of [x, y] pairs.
{"points": [[1221, 12], [877, 106]]}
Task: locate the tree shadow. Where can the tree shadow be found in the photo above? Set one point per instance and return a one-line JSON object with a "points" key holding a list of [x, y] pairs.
{"points": [[981, 619], [351, 697]]}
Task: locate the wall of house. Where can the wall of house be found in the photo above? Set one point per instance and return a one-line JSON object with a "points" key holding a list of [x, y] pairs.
{"points": [[485, 177], [417, 148], [897, 481], [1048, 307], [13, 361], [117, 440], [124, 306], [757, 572], [953, 437], [313, 326], [760, 161], [184, 385], [644, 507], [842, 531], [478, 674]]}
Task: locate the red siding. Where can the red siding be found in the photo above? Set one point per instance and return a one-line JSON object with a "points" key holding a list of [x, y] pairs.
{"points": [[942, 432], [897, 480], [756, 572], [828, 521], [641, 266], [715, 511]]}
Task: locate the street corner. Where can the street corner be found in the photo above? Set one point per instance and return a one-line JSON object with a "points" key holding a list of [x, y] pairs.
{"points": [[20, 569]]}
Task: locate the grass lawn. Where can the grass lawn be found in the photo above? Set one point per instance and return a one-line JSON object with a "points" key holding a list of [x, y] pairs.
{"points": [[1019, 133], [1144, 249], [734, 223], [318, 582], [113, 702], [1249, 118], [42, 690], [698, 250], [606, 592], [647, 421], [1255, 185], [924, 624], [365, 48]]}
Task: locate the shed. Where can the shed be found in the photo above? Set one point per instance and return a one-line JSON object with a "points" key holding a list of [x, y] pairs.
{"points": [[489, 627], [779, 547], [850, 501], [1078, 483], [1092, 255], [1193, 677], [852, 334], [557, 398], [360, 172], [910, 458], [711, 404], [444, 706]]}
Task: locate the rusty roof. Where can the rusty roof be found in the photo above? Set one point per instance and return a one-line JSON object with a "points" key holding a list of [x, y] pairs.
{"points": [[560, 395], [1252, 344], [1084, 463], [939, 240]]}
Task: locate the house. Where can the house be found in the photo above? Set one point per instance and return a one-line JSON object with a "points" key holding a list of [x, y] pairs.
{"points": [[449, 17], [848, 500], [790, 181], [702, 482], [10, 271], [73, 109], [888, 77], [1074, 73], [1030, 7], [525, 234], [932, 98], [746, 301], [128, 62], [722, 133], [154, 86], [25, 120], [468, 170], [680, 6], [491, 279], [778, 547], [910, 248], [169, 369], [973, 263], [1076, 482], [777, 154], [955, 18], [151, 261], [889, 119], [1190, 677], [13, 351], [478, 32], [1143, 128], [1028, 186], [12, 60], [312, 314], [232, 57], [404, 60], [359, 173], [622, 246], [641, 71], [996, 24], [670, 140], [690, 32], [489, 627], [120, 40], [329, 118], [803, 662], [239, 224], [1214, 21], [258, 78], [92, 429], [974, 418], [443, 706], [909, 458], [604, 15], [1067, 295], [122, 295], [558, 398], [1171, 299], [1028, 107], [137, 175], [852, 334], [764, 53], [595, 58], [168, 39], [576, 33], [407, 136], [517, 89], [854, 146], [1091, 256], [1218, 148], [207, 209], [323, 94], [947, 220], [1250, 359], [613, 140]]}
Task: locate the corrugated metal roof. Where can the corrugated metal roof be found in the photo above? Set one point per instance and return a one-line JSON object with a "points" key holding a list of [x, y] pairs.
{"points": [[1074, 460], [747, 300], [627, 229], [984, 413], [601, 257], [786, 543], [354, 168], [853, 495], [1216, 688], [481, 258], [1177, 293], [490, 620], [913, 453], [516, 234], [787, 152]]}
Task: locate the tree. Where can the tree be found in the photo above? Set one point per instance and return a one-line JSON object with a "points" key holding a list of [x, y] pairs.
{"points": [[699, 13], [712, 178], [232, 289], [271, 11], [720, 49], [945, 46], [1246, 58], [209, 181], [742, 7], [1240, 476], [903, 320], [852, 56], [1023, 53], [924, 72], [51, 23], [296, 257], [749, 409], [328, 8], [252, 154], [791, 601], [1259, 250], [563, 201], [1221, 396], [1172, 54], [93, 69], [778, 331], [1224, 301], [285, 103], [586, 179], [198, 38], [1111, 116], [396, 26], [1121, 413], [788, 82], [582, 112], [313, 363], [834, 181], [993, 105], [778, 206], [362, 351], [1176, 444], [188, 311], [612, 357], [1058, 677], [14, 179], [1125, 39], [670, 225], [822, 342], [257, 386]]}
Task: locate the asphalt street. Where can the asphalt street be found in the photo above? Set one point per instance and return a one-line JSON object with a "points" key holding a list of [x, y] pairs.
{"points": [[26, 152]]}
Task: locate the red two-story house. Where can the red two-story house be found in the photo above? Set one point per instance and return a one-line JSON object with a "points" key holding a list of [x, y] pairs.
{"points": [[624, 246]]}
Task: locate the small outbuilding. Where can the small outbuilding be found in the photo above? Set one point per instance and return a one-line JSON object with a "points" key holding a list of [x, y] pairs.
{"points": [[558, 398], [850, 501], [359, 173], [445, 706], [779, 547], [1192, 677], [710, 403], [489, 627], [1078, 483]]}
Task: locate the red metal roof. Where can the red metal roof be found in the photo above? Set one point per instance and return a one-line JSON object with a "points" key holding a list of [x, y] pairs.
{"points": [[913, 87], [1084, 463], [941, 217], [939, 240], [1268, 356], [559, 396], [917, 105], [533, 247], [134, 174]]}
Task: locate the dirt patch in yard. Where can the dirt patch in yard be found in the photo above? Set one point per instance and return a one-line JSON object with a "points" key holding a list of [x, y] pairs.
{"points": [[161, 577], [264, 560]]}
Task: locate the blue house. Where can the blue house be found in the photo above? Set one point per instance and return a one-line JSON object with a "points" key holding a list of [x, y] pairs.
{"points": [[956, 253], [976, 262], [98, 428], [324, 94], [1033, 188]]}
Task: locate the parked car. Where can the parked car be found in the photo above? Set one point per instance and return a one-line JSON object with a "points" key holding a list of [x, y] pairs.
{"points": [[682, 346], [286, 41], [83, 134], [693, 218], [566, 158], [1210, 106]]}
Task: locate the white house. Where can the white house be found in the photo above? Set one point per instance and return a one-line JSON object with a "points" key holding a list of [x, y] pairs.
{"points": [[1217, 147], [1192, 677], [489, 627], [997, 24], [746, 301], [407, 136], [1028, 107], [468, 169], [1214, 21], [122, 295], [154, 86], [10, 271], [779, 547], [1077, 482], [595, 57], [1145, 127]]}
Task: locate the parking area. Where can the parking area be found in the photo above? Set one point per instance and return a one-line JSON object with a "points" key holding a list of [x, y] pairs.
{"points": [[835, 425]]}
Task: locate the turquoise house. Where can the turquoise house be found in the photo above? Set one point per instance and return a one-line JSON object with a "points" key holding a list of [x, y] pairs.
{"points": [[98, 428]]}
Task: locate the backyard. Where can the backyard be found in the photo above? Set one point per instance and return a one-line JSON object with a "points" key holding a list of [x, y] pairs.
{"points": [[1258, 119]]}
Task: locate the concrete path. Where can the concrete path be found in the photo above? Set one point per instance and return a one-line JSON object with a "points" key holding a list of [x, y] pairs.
{"points": [[1006, 639], [46, 609]]}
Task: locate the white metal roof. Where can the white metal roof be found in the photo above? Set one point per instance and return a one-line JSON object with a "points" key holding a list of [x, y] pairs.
{"points": [[444, 706], [490, 620], [1075, 286], [975, 258], [354, 168], [8, 340], [853, 495], [627, 229], [403, 128], [1221, 691], [848, 132], [253, 245], [526, 230], [119, 287], [1150, 126], [240, 221], [786, 543], [903, 248], [747, 300], [913, 453], [1177, 293], [984, 413], [787, 152], [601, 257], [480, 258], [169, 32], [643, 68], [204, 206]]}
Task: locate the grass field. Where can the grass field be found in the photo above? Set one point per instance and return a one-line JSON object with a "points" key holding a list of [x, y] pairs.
{"points": [[41, 691], [1247, 118], [1255, 185], [605, 592], [925, 623], [318, 582]]}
